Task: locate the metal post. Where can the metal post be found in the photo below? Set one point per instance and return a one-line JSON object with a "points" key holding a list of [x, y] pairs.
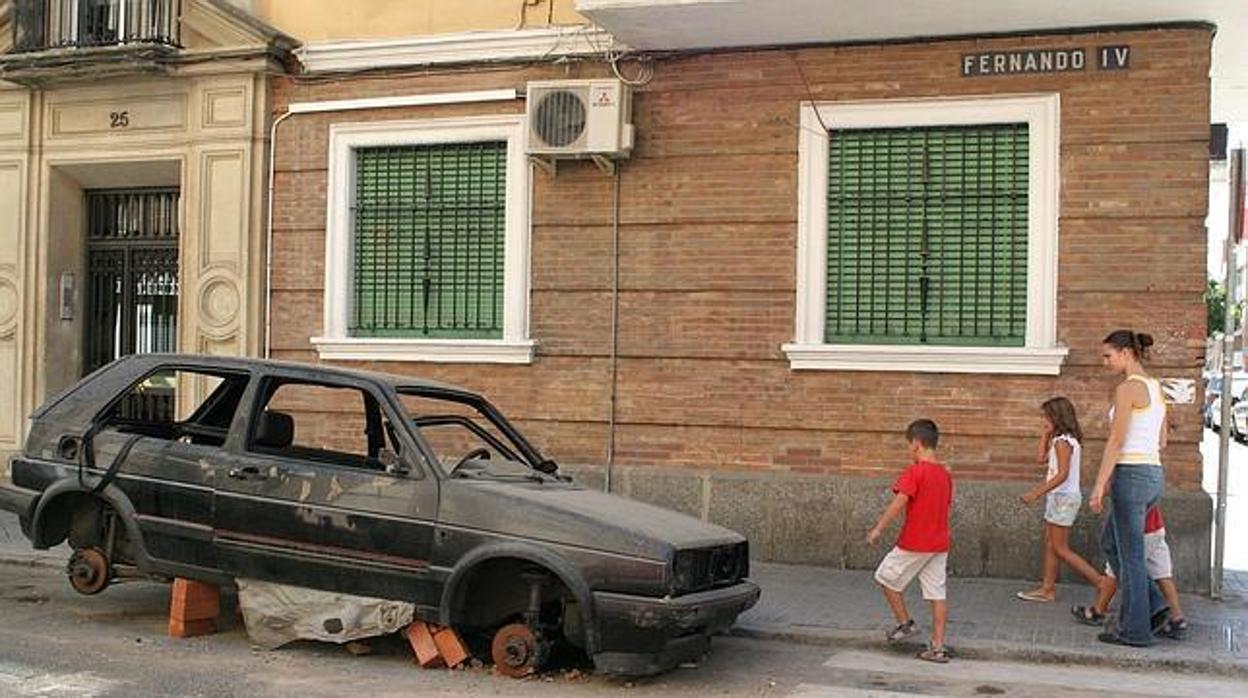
{"points": [[1235, 179]]}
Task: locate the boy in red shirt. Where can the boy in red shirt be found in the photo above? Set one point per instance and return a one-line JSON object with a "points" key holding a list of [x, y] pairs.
{"points": [[925, 492]]}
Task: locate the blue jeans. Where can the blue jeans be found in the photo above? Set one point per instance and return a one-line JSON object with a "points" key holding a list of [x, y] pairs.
{"points": [[1133, 490]]}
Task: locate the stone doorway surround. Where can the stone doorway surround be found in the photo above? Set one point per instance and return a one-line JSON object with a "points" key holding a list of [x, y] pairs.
{"points": [[200, 125]]}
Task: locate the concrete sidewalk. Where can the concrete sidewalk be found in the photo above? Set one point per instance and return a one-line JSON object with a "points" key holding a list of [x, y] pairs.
{"points": [[818, 605], [839, 607]]}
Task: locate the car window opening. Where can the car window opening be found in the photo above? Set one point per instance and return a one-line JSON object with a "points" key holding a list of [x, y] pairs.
{"points": [[325, 423], [468, 439], [163, 405]]}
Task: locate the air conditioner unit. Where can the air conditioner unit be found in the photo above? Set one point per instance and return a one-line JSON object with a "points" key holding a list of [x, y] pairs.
{"points": [[579, 118]]}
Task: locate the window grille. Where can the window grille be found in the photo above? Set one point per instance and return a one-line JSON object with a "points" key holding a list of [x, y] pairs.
{"points": [[927, 235], [428, 242]]}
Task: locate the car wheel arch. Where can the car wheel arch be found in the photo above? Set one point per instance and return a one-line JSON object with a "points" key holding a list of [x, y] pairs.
{"points": [[61, 494], [463, 574]]}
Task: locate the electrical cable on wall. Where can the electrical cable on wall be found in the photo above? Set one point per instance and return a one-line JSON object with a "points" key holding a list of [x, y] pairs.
{"points": [[645, 74], [809, 92]]}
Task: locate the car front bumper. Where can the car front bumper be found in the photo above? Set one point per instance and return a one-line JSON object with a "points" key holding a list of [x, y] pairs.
{"points": [[641, 635]]}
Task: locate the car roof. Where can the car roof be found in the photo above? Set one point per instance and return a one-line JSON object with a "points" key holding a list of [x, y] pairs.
{"points": [[311, 370]]}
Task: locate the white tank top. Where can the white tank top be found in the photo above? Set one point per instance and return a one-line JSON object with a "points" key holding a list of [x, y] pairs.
{"points": [[1142, 444], [1071, 485]]}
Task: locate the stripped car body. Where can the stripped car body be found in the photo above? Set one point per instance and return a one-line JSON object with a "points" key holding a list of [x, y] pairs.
{"points": [[237, 488]]}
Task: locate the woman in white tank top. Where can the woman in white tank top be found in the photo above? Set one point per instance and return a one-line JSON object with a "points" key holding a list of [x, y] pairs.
{"points": [[1131, 475]]}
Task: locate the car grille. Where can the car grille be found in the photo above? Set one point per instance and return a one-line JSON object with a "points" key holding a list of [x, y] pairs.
{"points": [[709, 568]]}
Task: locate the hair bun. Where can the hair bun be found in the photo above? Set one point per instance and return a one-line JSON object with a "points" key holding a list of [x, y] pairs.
{"points": [[1144, 340]]}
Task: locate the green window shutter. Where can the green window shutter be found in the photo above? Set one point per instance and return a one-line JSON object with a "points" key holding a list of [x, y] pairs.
{"points": [[429, 228], [927, 235]]}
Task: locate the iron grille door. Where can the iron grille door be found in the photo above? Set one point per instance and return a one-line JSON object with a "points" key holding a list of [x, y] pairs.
{"points": [[132, 273]]}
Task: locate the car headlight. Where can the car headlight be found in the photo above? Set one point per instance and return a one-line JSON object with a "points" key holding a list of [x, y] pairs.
{"points": [[685, 571]]}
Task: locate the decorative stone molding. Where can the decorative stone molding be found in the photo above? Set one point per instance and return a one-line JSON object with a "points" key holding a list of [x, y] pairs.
{"points": [[226, 25], [10, 301], [225, 107], [12, 121], [219, 303], [463, 47]]}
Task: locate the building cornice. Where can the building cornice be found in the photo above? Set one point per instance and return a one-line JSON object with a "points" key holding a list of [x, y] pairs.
{"points": [[464, 47]]}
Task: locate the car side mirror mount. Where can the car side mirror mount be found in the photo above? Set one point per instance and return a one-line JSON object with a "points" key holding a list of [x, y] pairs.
{"points": [[392, 463]]}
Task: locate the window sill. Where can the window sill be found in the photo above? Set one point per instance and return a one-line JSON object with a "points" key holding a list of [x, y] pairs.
{"points": [[459, 351], [926, 359]]}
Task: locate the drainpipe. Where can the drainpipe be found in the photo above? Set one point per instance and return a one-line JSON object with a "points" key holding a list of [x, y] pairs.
{"points": [[615, 323], [268, 236]]}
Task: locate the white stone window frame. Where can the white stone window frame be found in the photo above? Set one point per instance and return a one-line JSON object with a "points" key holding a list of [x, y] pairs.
{"points": [[345, 139], [1040, 354]]}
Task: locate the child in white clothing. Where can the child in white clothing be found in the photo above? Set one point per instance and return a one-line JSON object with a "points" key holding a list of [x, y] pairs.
{"points": [[1061, 450]]}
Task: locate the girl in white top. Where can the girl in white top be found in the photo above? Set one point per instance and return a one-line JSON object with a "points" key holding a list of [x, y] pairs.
{"points": [[1061, 450]]}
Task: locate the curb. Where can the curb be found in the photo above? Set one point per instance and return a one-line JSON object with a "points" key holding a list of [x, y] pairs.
{"points": [[998, 651], [31, 561]]}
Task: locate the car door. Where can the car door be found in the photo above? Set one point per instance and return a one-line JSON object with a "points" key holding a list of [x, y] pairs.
{"points": [[328, 491], [177, 419]]}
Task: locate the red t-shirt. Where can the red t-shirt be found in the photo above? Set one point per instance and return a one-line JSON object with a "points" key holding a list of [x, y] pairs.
{"points": [[930, 489], [1153, 521]]}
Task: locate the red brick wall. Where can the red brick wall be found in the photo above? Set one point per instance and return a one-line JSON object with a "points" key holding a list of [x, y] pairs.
{"points": [[708, 239]]}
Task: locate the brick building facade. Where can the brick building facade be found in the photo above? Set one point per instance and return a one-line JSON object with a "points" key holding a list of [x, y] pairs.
{"points": [[693, 386]]}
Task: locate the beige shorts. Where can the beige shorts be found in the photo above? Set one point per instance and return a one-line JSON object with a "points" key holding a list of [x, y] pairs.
{"points": [[1156, 556], [1061, 509], [900, 567]]}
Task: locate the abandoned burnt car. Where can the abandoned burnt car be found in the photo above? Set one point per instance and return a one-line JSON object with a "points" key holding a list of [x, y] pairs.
{"points": [[368, 484]]}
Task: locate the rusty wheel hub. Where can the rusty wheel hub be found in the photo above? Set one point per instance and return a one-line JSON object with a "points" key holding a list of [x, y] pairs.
{"points": [[515, 650], [89, 571]]}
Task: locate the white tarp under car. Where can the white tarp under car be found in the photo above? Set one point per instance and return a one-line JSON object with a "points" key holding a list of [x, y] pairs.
{"points": [[276, 614]]}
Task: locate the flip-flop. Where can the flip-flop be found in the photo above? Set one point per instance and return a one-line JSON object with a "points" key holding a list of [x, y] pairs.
{"points": [[1032, 596]]}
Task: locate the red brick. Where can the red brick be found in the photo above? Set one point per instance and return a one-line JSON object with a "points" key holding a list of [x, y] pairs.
{"points": [[451, 647], [191, 600], [421, 639]]}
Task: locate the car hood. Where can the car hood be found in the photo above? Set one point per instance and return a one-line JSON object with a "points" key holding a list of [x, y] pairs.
{"points": [[572, 515]]}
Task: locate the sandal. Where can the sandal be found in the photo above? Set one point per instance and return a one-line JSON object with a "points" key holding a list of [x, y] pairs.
{"points": [[902, 631], [938, 655], [1087, 615], [1174, 629], [1035, 596]]}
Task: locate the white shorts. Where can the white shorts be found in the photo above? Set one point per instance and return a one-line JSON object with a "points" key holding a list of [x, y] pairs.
{"points": [[900, 567], [1156, 556], [1061, 509]]}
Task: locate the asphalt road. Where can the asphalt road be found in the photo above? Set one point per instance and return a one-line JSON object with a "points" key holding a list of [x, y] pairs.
{"points": [[1236, 556], [54, 643]]}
